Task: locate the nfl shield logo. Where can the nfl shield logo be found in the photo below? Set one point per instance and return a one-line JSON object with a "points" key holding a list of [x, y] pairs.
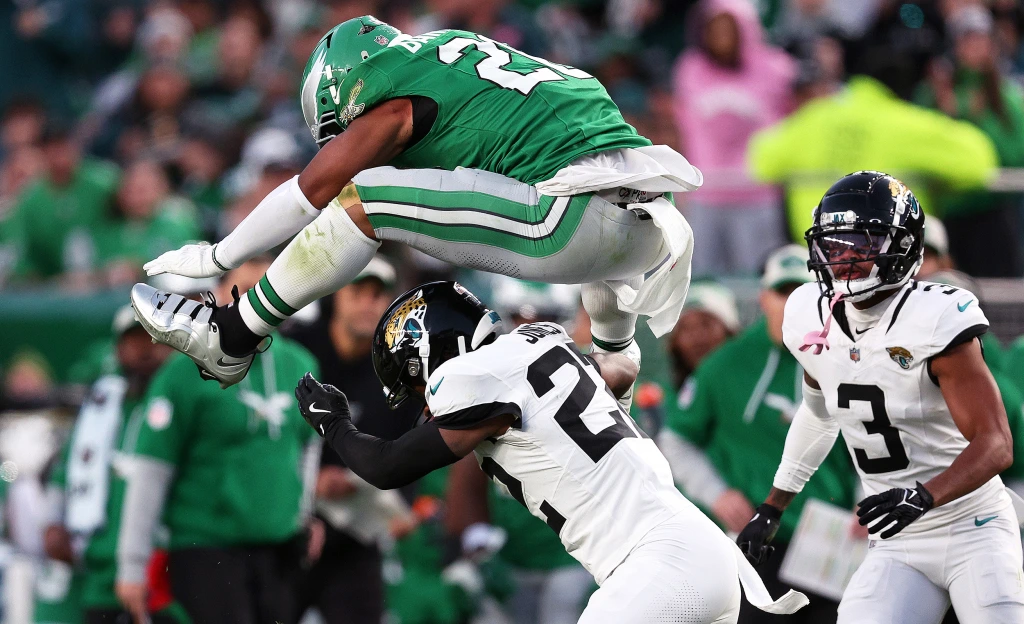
{"points": [[855, 354]]}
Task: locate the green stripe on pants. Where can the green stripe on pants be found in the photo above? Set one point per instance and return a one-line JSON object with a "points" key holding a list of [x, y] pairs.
{"points": [[539, 247], [457, 200]]}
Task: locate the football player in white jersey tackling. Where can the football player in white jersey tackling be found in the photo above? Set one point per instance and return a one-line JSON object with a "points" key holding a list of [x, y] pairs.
{"points": [[545, 425], [904, 378]]}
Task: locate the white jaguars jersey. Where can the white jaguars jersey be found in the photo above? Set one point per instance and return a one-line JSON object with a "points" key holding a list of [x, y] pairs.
{"points": [[879, 388], [573, 458]]}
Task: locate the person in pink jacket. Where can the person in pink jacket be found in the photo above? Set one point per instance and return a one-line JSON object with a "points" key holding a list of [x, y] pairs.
{"points": [[728, 84]]}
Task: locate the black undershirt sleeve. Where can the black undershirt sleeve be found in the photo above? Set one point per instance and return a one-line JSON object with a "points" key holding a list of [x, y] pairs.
{"points": [[424, 114], [387, 464], [967, 335]]}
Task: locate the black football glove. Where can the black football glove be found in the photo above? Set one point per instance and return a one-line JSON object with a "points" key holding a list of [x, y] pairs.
{"points": [[900, 506], [754, 540], [321, 406]]}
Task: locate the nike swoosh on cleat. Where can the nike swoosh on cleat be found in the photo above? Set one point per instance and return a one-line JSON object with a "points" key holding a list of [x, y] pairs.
{"points": [[964, 306], [313, 408], [977, 521], [221, 362]]}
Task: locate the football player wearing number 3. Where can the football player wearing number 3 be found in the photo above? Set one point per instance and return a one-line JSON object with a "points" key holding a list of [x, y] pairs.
{"points": [[543, 422], [468, 150], [905, 380]]}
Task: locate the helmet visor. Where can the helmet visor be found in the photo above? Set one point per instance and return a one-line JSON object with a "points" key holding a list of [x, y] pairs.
{"points": [[849, 245]]}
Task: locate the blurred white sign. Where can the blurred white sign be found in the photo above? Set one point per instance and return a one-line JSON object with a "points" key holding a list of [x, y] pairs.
{"points": [[823, 553]]}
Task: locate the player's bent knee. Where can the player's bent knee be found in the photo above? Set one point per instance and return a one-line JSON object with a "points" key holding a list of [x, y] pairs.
{"points": [[361, 221], [349, 200]]}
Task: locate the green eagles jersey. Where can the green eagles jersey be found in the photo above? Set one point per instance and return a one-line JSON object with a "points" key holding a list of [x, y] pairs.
{"points": [[236, 453], [498, 109], [737, 406], [99, 566]]}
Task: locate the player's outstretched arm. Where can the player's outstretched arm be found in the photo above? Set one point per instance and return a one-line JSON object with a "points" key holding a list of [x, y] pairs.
{"points": [[385, 464], [977, 409], [808, 441], [371, 140], [617, 370]]}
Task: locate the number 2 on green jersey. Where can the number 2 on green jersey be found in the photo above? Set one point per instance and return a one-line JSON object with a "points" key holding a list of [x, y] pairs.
{"points": [[492, 69]]}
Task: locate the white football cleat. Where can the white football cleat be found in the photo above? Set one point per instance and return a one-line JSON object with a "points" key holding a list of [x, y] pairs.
{"points": [[632, 351], [185, 325]]}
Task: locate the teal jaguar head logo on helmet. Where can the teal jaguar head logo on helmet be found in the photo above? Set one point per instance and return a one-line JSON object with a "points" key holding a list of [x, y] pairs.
{"points": [[328, 101]]}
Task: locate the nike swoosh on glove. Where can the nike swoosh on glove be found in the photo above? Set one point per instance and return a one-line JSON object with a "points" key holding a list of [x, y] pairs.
{"points": [[754, 540], [897, 507], [322, 406], [196, 261]]}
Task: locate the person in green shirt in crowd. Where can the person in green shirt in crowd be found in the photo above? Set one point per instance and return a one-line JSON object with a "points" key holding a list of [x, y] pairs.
{"points": [[709, 318], [868, 126], [420, 588], [984, 236], [86, 495], [724, 435], [1014, 362], [231, 474], [936, 250], [145, 220], [19, 166], [59, 213]]}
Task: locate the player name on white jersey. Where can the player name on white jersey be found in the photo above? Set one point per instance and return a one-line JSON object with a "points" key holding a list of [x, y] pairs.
{"points": [[573, 458]]}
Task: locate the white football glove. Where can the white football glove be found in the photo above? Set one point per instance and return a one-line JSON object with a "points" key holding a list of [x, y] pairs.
{"points": [[194, 261]]}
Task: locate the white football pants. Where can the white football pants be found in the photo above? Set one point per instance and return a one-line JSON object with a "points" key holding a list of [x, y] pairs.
{"points": [[683, 573], [975, 563]]}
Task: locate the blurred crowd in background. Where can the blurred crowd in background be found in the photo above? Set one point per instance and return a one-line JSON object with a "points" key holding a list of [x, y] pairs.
{"points": [[129, 127]]}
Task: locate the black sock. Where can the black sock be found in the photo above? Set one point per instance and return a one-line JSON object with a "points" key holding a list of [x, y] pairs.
{"points": [[236, 339]]}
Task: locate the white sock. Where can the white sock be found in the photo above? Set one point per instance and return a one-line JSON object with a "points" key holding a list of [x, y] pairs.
{"points": [[327, 254], [611, 328]]}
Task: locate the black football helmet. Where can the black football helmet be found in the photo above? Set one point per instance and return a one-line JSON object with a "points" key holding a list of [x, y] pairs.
{"points": [[867, 216], [423, 328]]}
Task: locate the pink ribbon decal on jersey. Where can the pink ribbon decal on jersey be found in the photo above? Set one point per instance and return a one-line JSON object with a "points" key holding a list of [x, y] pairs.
{"points": [[820, 339]]}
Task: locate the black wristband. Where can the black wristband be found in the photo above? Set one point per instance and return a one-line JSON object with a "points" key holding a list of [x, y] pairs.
{"points": [[926, 496], [213, 256], [769, 511]]}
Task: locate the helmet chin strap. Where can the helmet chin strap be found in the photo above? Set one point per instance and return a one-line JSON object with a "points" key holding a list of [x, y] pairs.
{"points": [[819, 340], [424, 352]]}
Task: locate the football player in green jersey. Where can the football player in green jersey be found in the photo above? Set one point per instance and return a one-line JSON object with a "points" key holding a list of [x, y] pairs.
{"points": [[468, 150]]}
